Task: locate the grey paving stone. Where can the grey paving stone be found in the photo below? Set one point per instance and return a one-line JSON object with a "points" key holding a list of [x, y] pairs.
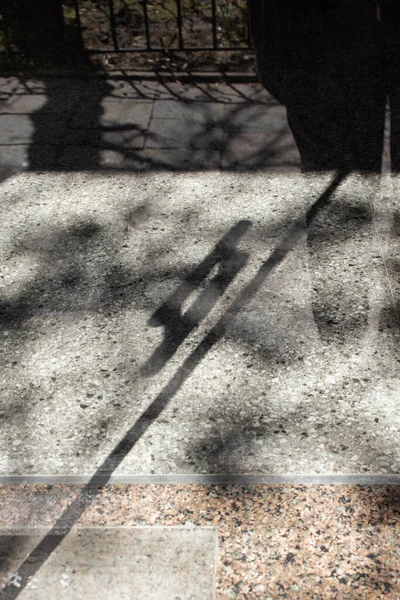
{"points": [[55, 100], [169, 159], [245, 151], [143, 563], [254, 92], [181, 159], [256, 118], [95, 157], [140, 91], [112, 112], [184, 134], [199, 112], [215, 92], [8, 85], [22, 157], [31, 129], [125, 136], [194, 92]]}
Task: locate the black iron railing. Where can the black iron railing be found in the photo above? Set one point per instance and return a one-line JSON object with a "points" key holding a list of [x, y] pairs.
{"points": [[153, 25]]}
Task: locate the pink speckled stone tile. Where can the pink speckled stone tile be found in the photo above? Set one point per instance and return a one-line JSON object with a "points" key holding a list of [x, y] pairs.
{"points": [[275, 541]]}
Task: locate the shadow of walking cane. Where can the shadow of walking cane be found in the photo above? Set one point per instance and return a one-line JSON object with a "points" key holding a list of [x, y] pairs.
{"points": [[177, 324]]}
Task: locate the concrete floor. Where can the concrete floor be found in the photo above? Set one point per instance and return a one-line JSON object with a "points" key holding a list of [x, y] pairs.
{"points": [[204, 310]]}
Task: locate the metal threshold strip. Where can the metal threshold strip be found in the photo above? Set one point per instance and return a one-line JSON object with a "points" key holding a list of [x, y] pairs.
{"points": [[214, 479]]}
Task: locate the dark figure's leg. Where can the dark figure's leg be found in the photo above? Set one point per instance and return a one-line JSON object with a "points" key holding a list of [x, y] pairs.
{"points": [[336, 90], [394, 99], [316, 109], [326, 65], [391, 20]]}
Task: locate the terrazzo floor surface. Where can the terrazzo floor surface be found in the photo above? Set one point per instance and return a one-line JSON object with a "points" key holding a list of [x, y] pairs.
{"points": [[177, 323]]}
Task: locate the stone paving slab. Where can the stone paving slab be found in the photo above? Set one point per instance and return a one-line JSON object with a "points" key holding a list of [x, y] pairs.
{"points": [[113, 160], [143, 563], [126, 137], [193, 111], [238, 341], [255, 118], [274, 541], [185, 134], [19, 129], [15, 158], [259, 151], [122, 115], [113, 112]]}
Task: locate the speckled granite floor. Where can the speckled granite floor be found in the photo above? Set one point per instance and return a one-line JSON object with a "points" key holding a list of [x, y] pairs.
{"points": [[275, 541]]}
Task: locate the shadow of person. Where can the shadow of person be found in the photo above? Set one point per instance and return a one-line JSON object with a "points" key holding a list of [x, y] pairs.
{"points": [[340, 254], [333, 64], [58, 143]]}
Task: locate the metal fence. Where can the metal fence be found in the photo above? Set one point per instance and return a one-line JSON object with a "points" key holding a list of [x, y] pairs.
{"points": [[128, 26]]}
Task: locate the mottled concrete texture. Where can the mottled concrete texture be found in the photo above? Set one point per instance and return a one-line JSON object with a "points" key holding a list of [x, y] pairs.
{"points": [[224, 323], [128, 563]]}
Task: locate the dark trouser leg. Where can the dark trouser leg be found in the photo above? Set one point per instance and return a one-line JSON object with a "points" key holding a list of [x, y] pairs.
{"points": [[336, 103], [394, 99]]}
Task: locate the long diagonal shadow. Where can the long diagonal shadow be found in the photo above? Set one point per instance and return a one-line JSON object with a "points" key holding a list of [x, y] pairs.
{"points": [[101, 477]]}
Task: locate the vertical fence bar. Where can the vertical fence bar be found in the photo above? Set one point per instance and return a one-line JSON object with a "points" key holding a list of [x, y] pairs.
{"points": [[179, 22], [78, 17], [246, 23], [214, 24], [113, 25], [146, 24]]}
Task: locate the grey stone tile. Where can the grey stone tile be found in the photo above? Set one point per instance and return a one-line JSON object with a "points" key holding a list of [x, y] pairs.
{"points": [[140, 91], [53, 101], [258, 150], [8, 86], [28, 129], [256, 118], [154, 159], [22, 157], [128, 136], [112, 112], [190, 92], [16, 129], [253, 92], [124, 562], [181, 159], [171, 133], [97, 158], [24, 103], [18, 85], [199, 112], [215, 92]]}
